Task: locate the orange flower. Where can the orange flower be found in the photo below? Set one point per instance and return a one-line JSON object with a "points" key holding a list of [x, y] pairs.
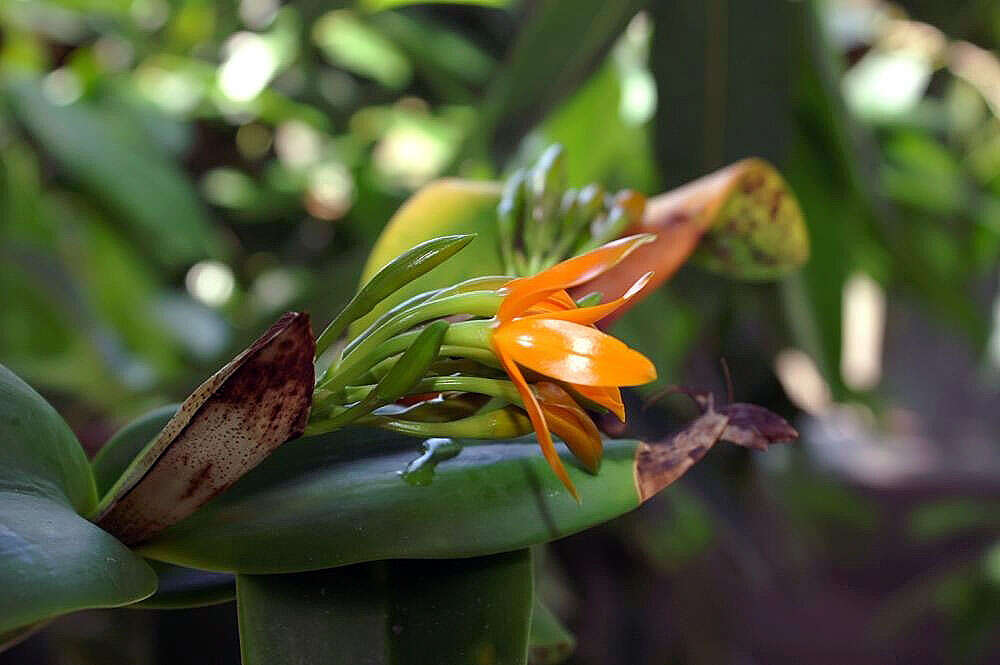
{"points": [[538, 326]]}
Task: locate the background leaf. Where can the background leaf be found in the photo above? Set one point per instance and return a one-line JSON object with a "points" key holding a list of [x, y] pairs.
{"points": [[404, 612], [120, 167]]}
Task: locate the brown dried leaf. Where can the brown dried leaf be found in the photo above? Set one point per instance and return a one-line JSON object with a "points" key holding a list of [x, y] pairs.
{"points": [[660, 463], [230, 424], [755, 427]]}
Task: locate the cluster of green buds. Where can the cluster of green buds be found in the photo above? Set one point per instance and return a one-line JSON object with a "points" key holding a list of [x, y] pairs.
{"points": [[494, 357], [542, 221], [415, 352]]}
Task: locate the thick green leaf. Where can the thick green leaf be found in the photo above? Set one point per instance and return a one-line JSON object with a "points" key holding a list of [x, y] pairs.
{"points": [[119, 451], [401, 612], [121, 168], [39, 455], [181, 588], [338, 499], [52, 560], [341, 498]]}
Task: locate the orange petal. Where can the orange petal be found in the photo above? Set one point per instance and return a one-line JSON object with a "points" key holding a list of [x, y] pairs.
{"points": [[557, 301], [573, 353], [578, 431], [609, 397], [567, 419], [588, 315], [537, 419], [525, 292]]}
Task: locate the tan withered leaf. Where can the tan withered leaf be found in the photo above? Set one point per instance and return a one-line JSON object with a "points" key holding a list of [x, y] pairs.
{"points": [[230, 424], [753, 426], [660, 463]]}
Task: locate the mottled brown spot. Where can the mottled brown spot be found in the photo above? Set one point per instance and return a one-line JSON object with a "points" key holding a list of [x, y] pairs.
{"points": [[197, 481]]}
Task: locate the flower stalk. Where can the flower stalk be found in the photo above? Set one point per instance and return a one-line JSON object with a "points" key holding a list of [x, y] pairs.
{"points": [[490, 357]]}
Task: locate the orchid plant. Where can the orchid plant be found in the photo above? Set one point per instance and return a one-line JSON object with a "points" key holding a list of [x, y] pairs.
{"points": [[347, 544]]}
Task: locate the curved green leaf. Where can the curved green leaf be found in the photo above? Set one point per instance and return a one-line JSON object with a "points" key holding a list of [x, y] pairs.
{"points": [[341, 498], [52, 560], [39, 455], [180, 588], [337, 499], [117, 454], [401, 612]]}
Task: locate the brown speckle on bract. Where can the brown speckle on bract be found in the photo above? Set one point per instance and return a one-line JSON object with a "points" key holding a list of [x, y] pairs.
{"points": [[230, 424]]}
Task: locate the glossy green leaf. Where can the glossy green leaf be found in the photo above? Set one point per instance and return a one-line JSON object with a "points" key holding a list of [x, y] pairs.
{"points": [[444, 207], [39, 455], [400, 612], [121, 168], [341, 498], [52, 560], [181, 588]]}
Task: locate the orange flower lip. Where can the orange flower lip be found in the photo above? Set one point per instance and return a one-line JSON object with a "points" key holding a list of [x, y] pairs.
{"points": [[539, 326]]}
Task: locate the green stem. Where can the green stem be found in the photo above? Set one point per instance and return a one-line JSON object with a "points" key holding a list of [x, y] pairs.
{"points": [[440, 384], [500, 424], [476, 303], [475, 334]]}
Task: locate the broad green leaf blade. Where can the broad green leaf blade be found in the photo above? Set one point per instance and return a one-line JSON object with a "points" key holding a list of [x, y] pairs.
{"points": [[52, 561], [121, 449], [401, 612], [180, 588], [226, 427], [39, 455], [340, 498], [550, 643], [444, 207], [120, 168]]}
